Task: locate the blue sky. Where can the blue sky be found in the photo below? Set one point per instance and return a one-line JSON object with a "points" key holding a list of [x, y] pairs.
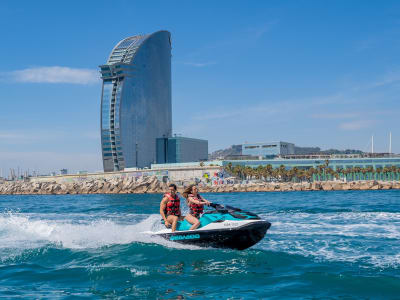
{"points": [[315, 73]]}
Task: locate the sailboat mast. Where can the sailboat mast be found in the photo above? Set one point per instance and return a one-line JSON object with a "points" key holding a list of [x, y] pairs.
{"points": [[372, 144]]}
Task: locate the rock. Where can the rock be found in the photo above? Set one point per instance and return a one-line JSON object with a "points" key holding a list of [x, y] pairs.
{"points": [[346, 186], [364, 186], [336, 186], [326, 186], [316, 186], [148, 184]]}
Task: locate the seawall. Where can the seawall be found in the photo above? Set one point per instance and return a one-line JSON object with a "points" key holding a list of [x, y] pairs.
{"points": [[151, 184]]}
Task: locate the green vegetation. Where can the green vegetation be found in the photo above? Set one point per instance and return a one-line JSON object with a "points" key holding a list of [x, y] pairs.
{"points": [[321, 173]]}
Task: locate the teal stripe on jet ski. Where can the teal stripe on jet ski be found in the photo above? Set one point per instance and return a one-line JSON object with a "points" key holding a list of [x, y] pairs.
{"points": [[184, 237], [210, 218]]}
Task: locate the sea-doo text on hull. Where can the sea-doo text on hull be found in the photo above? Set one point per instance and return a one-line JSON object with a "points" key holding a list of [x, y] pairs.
{"points": [[223, 227]]}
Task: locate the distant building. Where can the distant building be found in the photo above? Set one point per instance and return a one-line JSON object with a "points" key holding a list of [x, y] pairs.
{"points": [[136, 100], [82, 172], [180, 149], [63, 171], [334, 162], [268, 150]]}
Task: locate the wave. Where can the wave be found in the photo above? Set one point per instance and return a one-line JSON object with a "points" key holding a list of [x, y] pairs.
{"points": [[382, 225], [21, 231], [366, 238]]}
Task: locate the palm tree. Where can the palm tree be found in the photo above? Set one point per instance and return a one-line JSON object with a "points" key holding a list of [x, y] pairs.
{"points": [[357, 171], [293, 173], [386, 170], [268, 171], [339, 172], [379, 173], [310, 173], [248, 172], [393, 172], [364, 171], [238, 171], [229, 168], [282, 173], [302, 175], [370, 170], [259, 172], [351, 172], [329, 171], [320, 172]]}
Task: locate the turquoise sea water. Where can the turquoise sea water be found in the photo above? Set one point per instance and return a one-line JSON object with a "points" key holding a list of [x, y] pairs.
{"points": [[331, 245]]}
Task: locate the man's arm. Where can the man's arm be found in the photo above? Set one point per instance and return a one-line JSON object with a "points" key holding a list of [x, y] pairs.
{"points": [[162, 208]]}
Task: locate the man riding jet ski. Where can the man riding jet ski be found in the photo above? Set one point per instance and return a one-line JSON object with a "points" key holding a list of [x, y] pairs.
{"points": [[222, 227]]}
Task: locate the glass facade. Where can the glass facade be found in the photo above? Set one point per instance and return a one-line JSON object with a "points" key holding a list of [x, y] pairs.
{"points": [[268, 149], [181, 149], [136, 100]]}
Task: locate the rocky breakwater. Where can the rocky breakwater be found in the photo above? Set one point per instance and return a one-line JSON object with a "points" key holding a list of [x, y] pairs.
{"points": [[138, 185], [305, 186], [143, 185]]}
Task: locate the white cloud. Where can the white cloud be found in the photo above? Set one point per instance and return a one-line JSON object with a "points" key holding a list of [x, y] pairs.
{"points": [[356, 125], [54, 74], [389, 78]]}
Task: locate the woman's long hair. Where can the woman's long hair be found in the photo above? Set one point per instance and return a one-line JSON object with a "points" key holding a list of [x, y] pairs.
{"points": [[188, 191]]}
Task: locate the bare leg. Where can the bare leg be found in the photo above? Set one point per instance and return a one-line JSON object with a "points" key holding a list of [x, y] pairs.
{"points": [[192, 220], [173, 220]]}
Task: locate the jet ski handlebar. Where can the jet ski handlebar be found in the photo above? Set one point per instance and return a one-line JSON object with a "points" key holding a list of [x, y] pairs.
{"points": [[223, 207], [230, 209], [215, 205]]}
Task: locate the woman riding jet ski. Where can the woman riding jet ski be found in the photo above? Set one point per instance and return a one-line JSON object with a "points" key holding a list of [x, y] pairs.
{"points": [[222, 227]]}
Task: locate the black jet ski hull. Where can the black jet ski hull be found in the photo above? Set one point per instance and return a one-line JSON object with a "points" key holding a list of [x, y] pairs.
{"points": [[238, 238]]}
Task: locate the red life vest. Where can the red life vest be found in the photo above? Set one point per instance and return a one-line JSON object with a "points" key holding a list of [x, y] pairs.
{"points": [[196, 209], [173, 205]]}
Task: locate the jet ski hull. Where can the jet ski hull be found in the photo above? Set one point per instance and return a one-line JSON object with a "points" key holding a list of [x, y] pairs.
{"points": [[238, 238]]}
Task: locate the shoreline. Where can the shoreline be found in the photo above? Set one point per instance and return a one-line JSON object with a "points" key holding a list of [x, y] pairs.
{"points": [[151, 185]]}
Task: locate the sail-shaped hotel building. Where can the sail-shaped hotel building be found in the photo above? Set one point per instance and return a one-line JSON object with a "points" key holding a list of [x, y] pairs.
{"points": [[136, 100]]}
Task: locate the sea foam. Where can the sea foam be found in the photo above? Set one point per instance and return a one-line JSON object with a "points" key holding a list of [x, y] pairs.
{"points": [[20, 231]]}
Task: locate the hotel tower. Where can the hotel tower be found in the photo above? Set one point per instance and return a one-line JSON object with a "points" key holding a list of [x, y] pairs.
{"points": [[136, 100]]}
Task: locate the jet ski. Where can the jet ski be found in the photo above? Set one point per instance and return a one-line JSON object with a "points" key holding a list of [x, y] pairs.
{"points": [[222, 227]]}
